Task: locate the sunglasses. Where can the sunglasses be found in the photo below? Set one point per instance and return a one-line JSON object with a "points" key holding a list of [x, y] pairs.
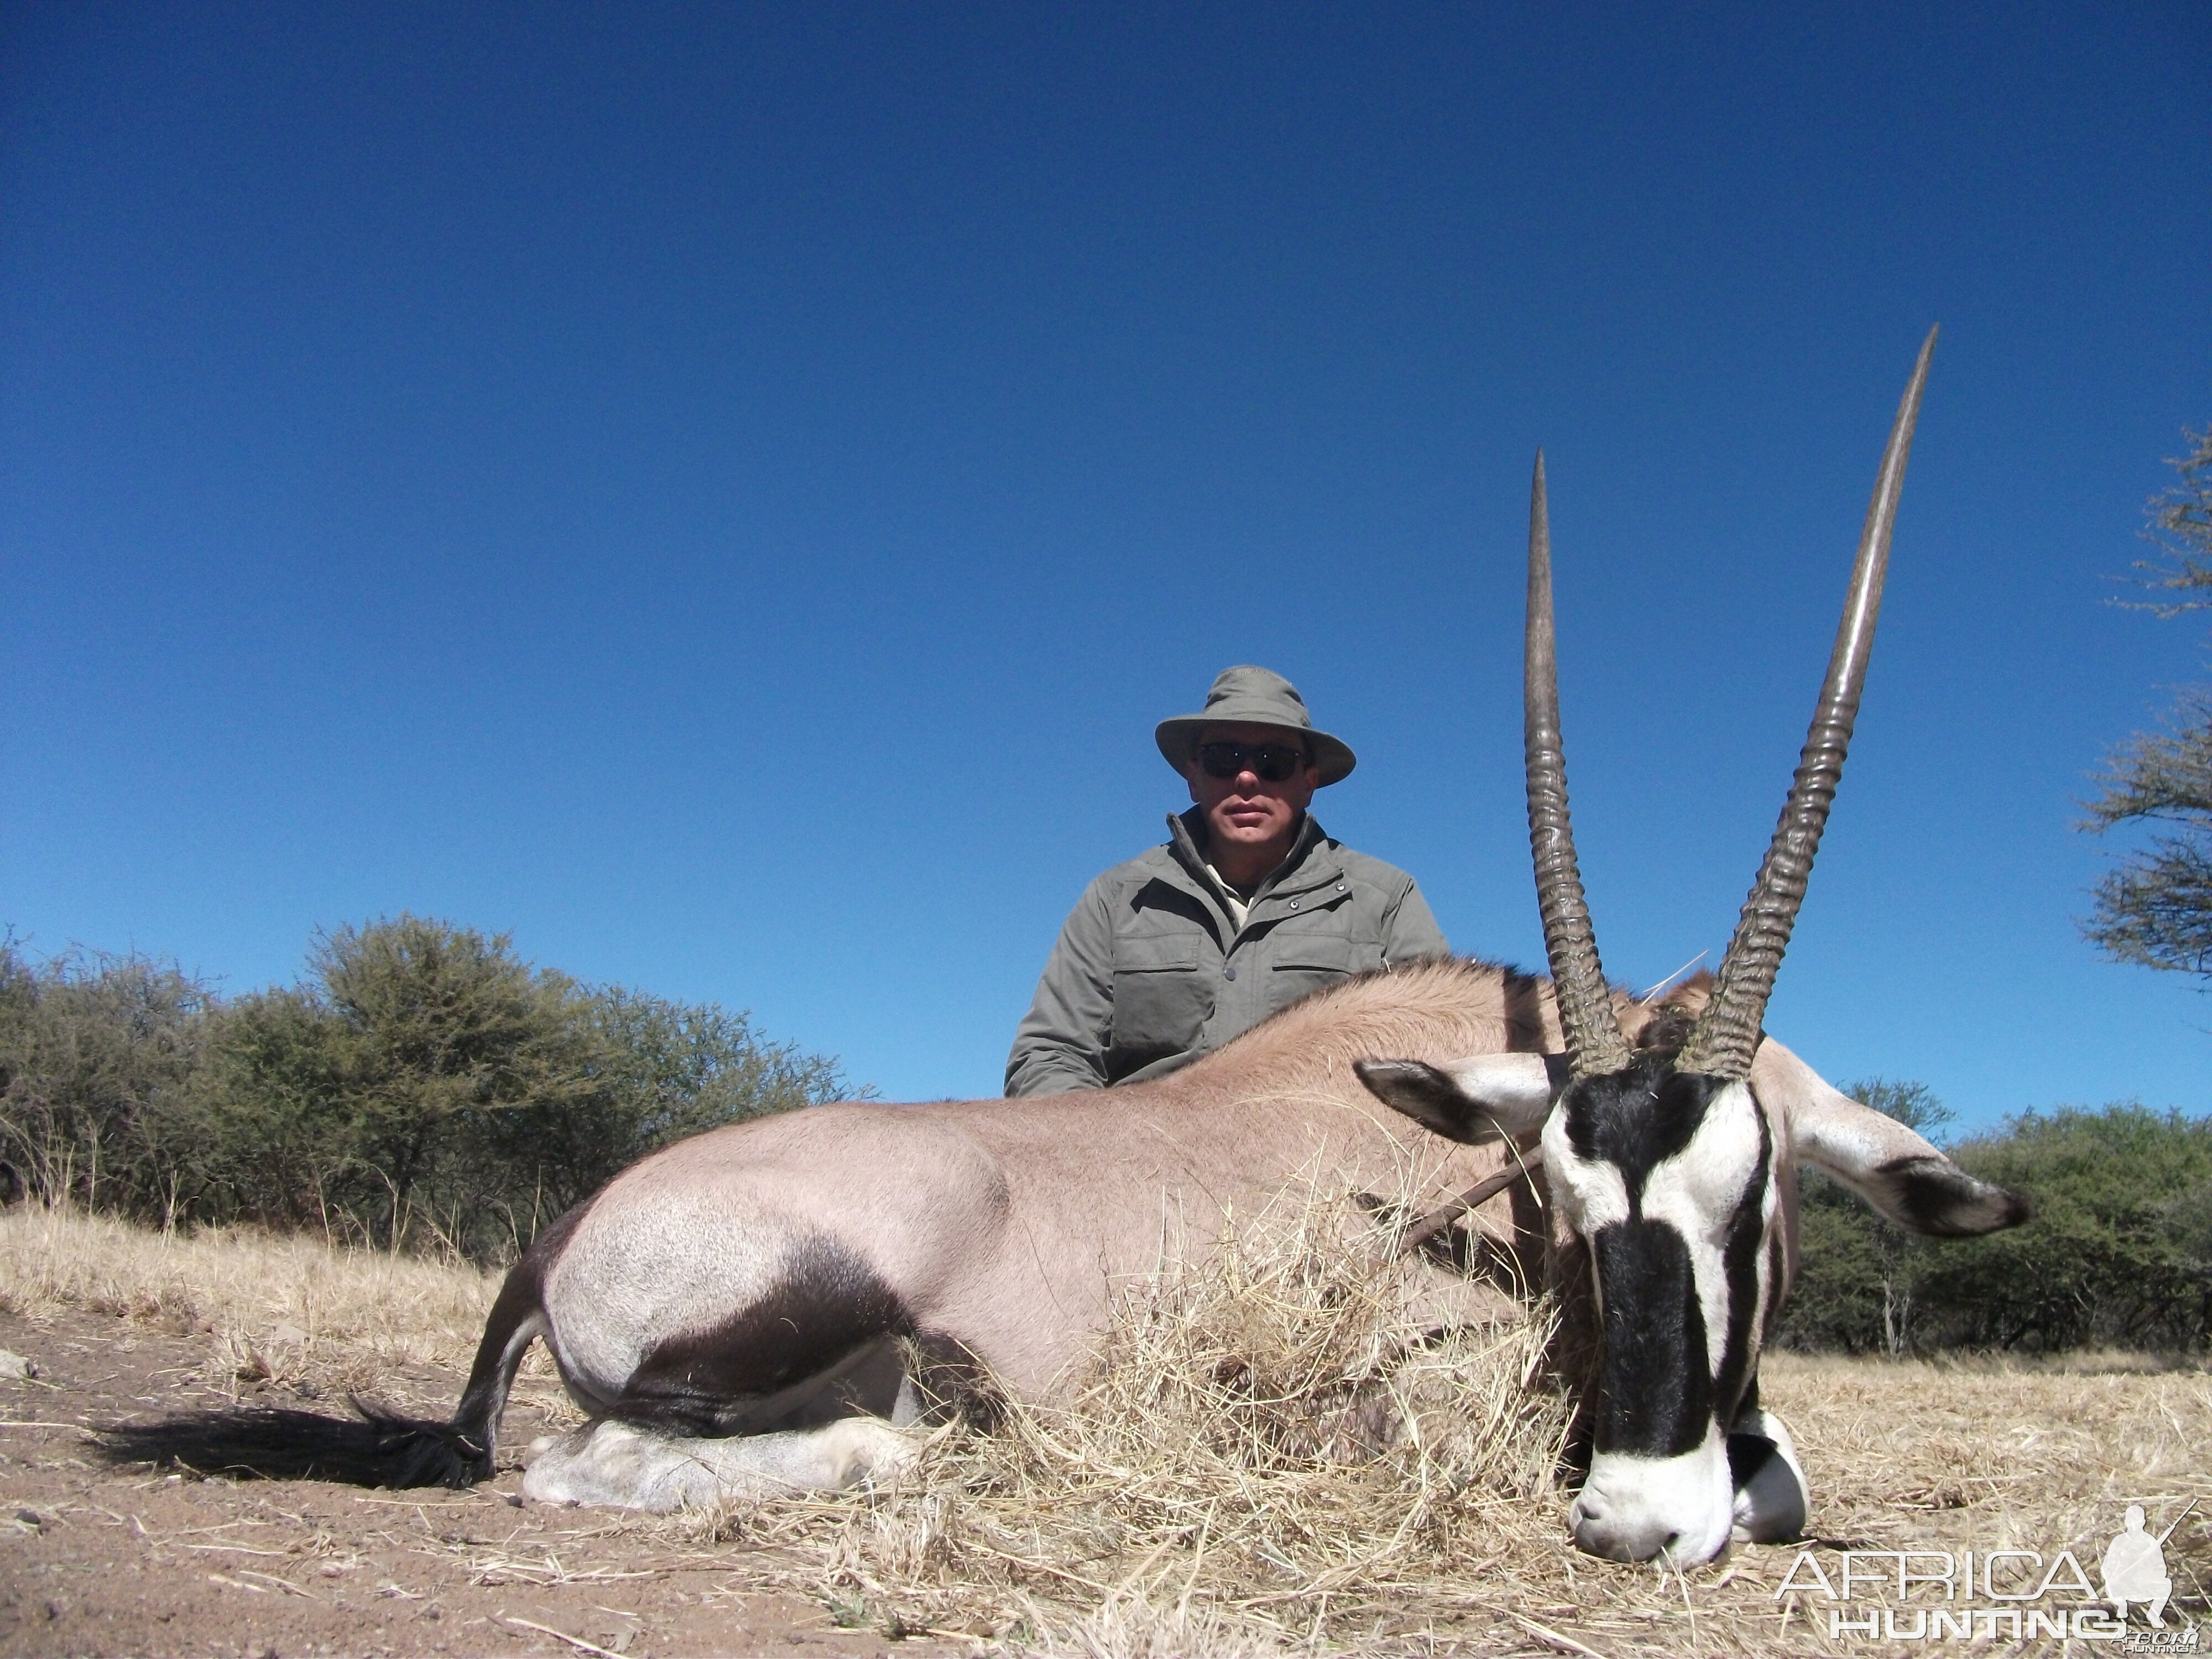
{"points": [[1276, 762]]}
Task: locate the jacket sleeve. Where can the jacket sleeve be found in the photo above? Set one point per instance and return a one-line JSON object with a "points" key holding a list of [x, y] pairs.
{"points": [[1409, 930], [1060, 1043]]}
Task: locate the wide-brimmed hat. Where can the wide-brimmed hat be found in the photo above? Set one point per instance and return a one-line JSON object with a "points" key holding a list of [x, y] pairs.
{"points": [[1254, 696]]}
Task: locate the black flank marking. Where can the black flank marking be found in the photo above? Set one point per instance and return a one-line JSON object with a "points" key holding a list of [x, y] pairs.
{"points": [[1740, 1264], [821, 1345], [1655, 1383]]}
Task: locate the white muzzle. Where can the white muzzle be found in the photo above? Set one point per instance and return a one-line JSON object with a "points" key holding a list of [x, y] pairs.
{"points": [[1633, 1509]]}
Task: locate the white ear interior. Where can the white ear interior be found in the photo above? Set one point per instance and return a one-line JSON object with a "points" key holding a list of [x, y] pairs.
{"points": [[1469, 1101], [1513, 1090], [1827, 1127], [1892, 1169]]}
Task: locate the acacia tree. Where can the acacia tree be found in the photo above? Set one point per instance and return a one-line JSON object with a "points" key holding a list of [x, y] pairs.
{"points": [[425, 1082], [2155, 908]]}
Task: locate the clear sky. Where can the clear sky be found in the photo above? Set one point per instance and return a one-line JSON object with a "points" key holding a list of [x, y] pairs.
{"points": [[725, 493]]}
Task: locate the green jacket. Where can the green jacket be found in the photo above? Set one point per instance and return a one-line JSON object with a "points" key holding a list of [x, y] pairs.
{"points": [[1149, 973]]}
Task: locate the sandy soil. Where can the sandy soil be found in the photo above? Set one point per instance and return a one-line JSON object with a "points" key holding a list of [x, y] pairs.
{"points": [[97, 1559], [1094, 1550]]}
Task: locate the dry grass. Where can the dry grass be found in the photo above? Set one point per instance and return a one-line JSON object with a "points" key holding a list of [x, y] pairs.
{"points": [[1270, 1451], [1225, 1486], [295, 1312]]}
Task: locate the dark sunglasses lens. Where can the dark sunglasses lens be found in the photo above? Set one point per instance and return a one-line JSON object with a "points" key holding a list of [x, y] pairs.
{"points": [[1272, 761]]}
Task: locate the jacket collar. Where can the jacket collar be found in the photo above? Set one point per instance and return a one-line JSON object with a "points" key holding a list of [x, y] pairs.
{"points": [[1311, 862]]}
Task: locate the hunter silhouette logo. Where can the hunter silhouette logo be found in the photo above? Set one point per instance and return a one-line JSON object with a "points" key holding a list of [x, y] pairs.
{"points": [[2134, 1567], [1937, 1596]]}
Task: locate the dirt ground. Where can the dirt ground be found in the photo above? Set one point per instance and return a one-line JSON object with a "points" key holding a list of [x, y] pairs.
{"points": [[96, 1559], [103, 1557]]}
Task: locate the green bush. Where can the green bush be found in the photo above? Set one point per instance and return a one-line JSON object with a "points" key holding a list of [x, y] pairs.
{"points": [[421, 1084], [1858, 1276], [2115, 1256], [99, 1059], [2118, 1252]]}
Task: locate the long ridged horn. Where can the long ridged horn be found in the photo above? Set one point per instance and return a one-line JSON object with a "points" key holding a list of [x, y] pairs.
{"points": [[1725, 1036], [1595, 1044]]}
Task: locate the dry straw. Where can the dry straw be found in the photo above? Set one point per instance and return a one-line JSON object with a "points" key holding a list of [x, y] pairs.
{"points": [[1274, 1446], [1275, 1452]]}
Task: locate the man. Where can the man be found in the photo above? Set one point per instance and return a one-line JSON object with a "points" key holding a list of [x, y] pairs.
{"points": [[1248, 907]]}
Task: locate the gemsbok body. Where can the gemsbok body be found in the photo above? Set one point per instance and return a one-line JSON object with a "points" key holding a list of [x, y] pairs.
{"points": [[770, 1304]]}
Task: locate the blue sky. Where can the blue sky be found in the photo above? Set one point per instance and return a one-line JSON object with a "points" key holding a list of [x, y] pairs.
{"points": [[724, 492]]}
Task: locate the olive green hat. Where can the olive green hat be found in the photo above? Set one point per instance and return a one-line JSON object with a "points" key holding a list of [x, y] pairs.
{"points": [[1254, 696]]}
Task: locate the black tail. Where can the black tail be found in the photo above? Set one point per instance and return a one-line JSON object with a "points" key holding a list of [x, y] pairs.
{"points": [[378, 1448], [460, 1453], [413, 1452]]}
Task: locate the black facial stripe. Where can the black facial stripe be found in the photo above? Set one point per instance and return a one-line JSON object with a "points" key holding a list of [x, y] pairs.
{"points": [[1748, 1454], [1777, 1284], [1637, 1119], [827, 1320], [1740, 1264], [1659, 1390], [1655, 1387]]}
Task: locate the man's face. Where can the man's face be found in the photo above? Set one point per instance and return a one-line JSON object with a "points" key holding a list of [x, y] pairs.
{"points": [[1247, 810]]}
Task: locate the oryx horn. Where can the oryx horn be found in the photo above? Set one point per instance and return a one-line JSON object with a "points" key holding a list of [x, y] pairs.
{"points": [[1595, 1043], [1722, 1043]]}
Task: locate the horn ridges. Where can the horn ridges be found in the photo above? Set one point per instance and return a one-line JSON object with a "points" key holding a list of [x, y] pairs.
{"points": [[1595, 1043], [1722, 1041]]}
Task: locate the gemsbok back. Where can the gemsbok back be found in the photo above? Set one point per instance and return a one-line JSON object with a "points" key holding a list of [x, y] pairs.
{"points": [[769, 1305]]}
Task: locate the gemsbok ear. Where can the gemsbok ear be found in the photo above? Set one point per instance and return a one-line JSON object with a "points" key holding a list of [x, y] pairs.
{"points": [[1490, 1096], [1886, 1163]]}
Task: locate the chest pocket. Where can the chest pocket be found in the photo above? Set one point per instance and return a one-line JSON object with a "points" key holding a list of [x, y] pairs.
{"points": [[1161, 1001], [1306, 962]]}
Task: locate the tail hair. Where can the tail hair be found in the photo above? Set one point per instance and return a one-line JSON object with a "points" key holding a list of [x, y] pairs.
{"points": [[375, 1447], [418, 1452]]}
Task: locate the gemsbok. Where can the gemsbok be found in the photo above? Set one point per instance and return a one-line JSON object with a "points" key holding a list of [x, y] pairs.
{"points": [[767, 1306]]}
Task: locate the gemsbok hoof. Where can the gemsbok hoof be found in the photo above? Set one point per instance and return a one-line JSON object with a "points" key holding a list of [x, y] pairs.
{"points": [[624, 1467]]}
